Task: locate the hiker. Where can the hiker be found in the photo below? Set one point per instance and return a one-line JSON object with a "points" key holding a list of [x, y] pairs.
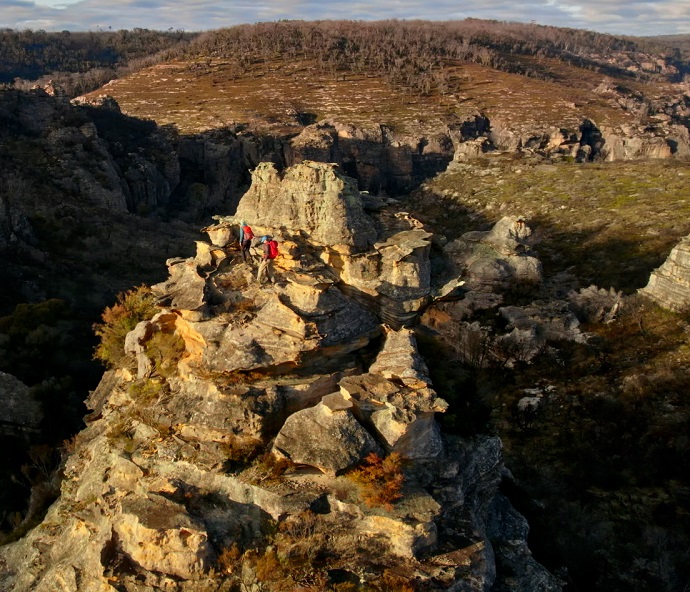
{"points": [[270, 252], [246, 236]]}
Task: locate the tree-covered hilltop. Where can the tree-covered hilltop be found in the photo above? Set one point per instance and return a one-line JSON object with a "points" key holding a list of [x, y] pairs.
{"points": [[81, 61], [411, 53], [415, 52]]}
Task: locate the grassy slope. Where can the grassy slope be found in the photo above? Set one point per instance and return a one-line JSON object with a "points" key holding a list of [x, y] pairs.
{"points": [[610, 223]]}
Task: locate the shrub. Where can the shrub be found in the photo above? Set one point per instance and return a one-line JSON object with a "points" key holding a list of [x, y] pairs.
{"points": [[240, 451], [267, 469], [145, 391], [36, 331], [132, 307], [380, 479], [229, 559], [165, 351], [390, 581]]}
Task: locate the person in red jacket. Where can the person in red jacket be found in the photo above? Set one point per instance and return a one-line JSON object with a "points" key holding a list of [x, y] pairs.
{"points": [[270, 252], [246, 236]]}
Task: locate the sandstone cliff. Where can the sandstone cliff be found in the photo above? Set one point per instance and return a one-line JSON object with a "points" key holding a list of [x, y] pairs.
{"points": [[669, 285], [76, 187], [221, 455]]}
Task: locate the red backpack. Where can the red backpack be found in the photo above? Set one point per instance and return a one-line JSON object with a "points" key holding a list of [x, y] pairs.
{"points": [[272, 249], [247, 233]]}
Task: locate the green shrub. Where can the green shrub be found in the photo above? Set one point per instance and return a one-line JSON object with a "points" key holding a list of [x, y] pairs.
{"points": [[132, 307], [145, 391], [165, 351]]}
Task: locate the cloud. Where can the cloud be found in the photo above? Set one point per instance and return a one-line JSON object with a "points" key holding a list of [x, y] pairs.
{"points": [[629, 17]]}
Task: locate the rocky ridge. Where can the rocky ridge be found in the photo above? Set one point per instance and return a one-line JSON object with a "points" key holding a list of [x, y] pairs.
{"points": [[159, 488]]}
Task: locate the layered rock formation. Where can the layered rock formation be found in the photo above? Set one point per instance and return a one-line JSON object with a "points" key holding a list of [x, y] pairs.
{"points": [[166, 489], [587, 142], [669, 285], [312, 198], [215, 165], [379, 158], [381, 258]]}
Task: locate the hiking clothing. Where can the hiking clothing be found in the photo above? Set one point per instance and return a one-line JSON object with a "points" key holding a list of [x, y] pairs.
{"points": [[246, 236], [265, 267], [270, 252], [270, 249], [246, 232]]}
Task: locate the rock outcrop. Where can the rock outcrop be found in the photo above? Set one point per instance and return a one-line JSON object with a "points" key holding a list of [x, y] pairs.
{"points": [[380, 258], [173, 486], [102, 170], [586, 142], [20, 411], [88, 157], [669, 285], [495, 265], [496, 260], [312, 198], [381, 159]]}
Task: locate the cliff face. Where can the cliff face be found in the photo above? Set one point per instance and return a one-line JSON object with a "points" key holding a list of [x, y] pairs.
{"points": [[223, 454], [387, 162], [75, 180], [112, 161]]}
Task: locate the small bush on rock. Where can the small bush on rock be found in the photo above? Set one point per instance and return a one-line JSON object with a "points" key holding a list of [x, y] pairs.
{"points": [[240, 452], [380, 479], [146, 391], [131, 307], [267, 469], [229, 559], [165, 351]]}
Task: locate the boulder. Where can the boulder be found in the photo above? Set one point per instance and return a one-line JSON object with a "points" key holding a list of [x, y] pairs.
{"points": [[185, 289], [669, 285], [395, 398], [400, 360], [498, 259], [470, 149], [135, 345], [327, 437], [221, 235], [159, 535], [618, 146]]}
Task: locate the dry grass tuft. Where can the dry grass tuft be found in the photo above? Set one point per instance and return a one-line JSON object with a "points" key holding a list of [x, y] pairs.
{"points": [[380, 479]]}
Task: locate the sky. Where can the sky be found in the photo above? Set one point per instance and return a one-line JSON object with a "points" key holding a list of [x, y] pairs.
{"points": [[618, 17]]}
